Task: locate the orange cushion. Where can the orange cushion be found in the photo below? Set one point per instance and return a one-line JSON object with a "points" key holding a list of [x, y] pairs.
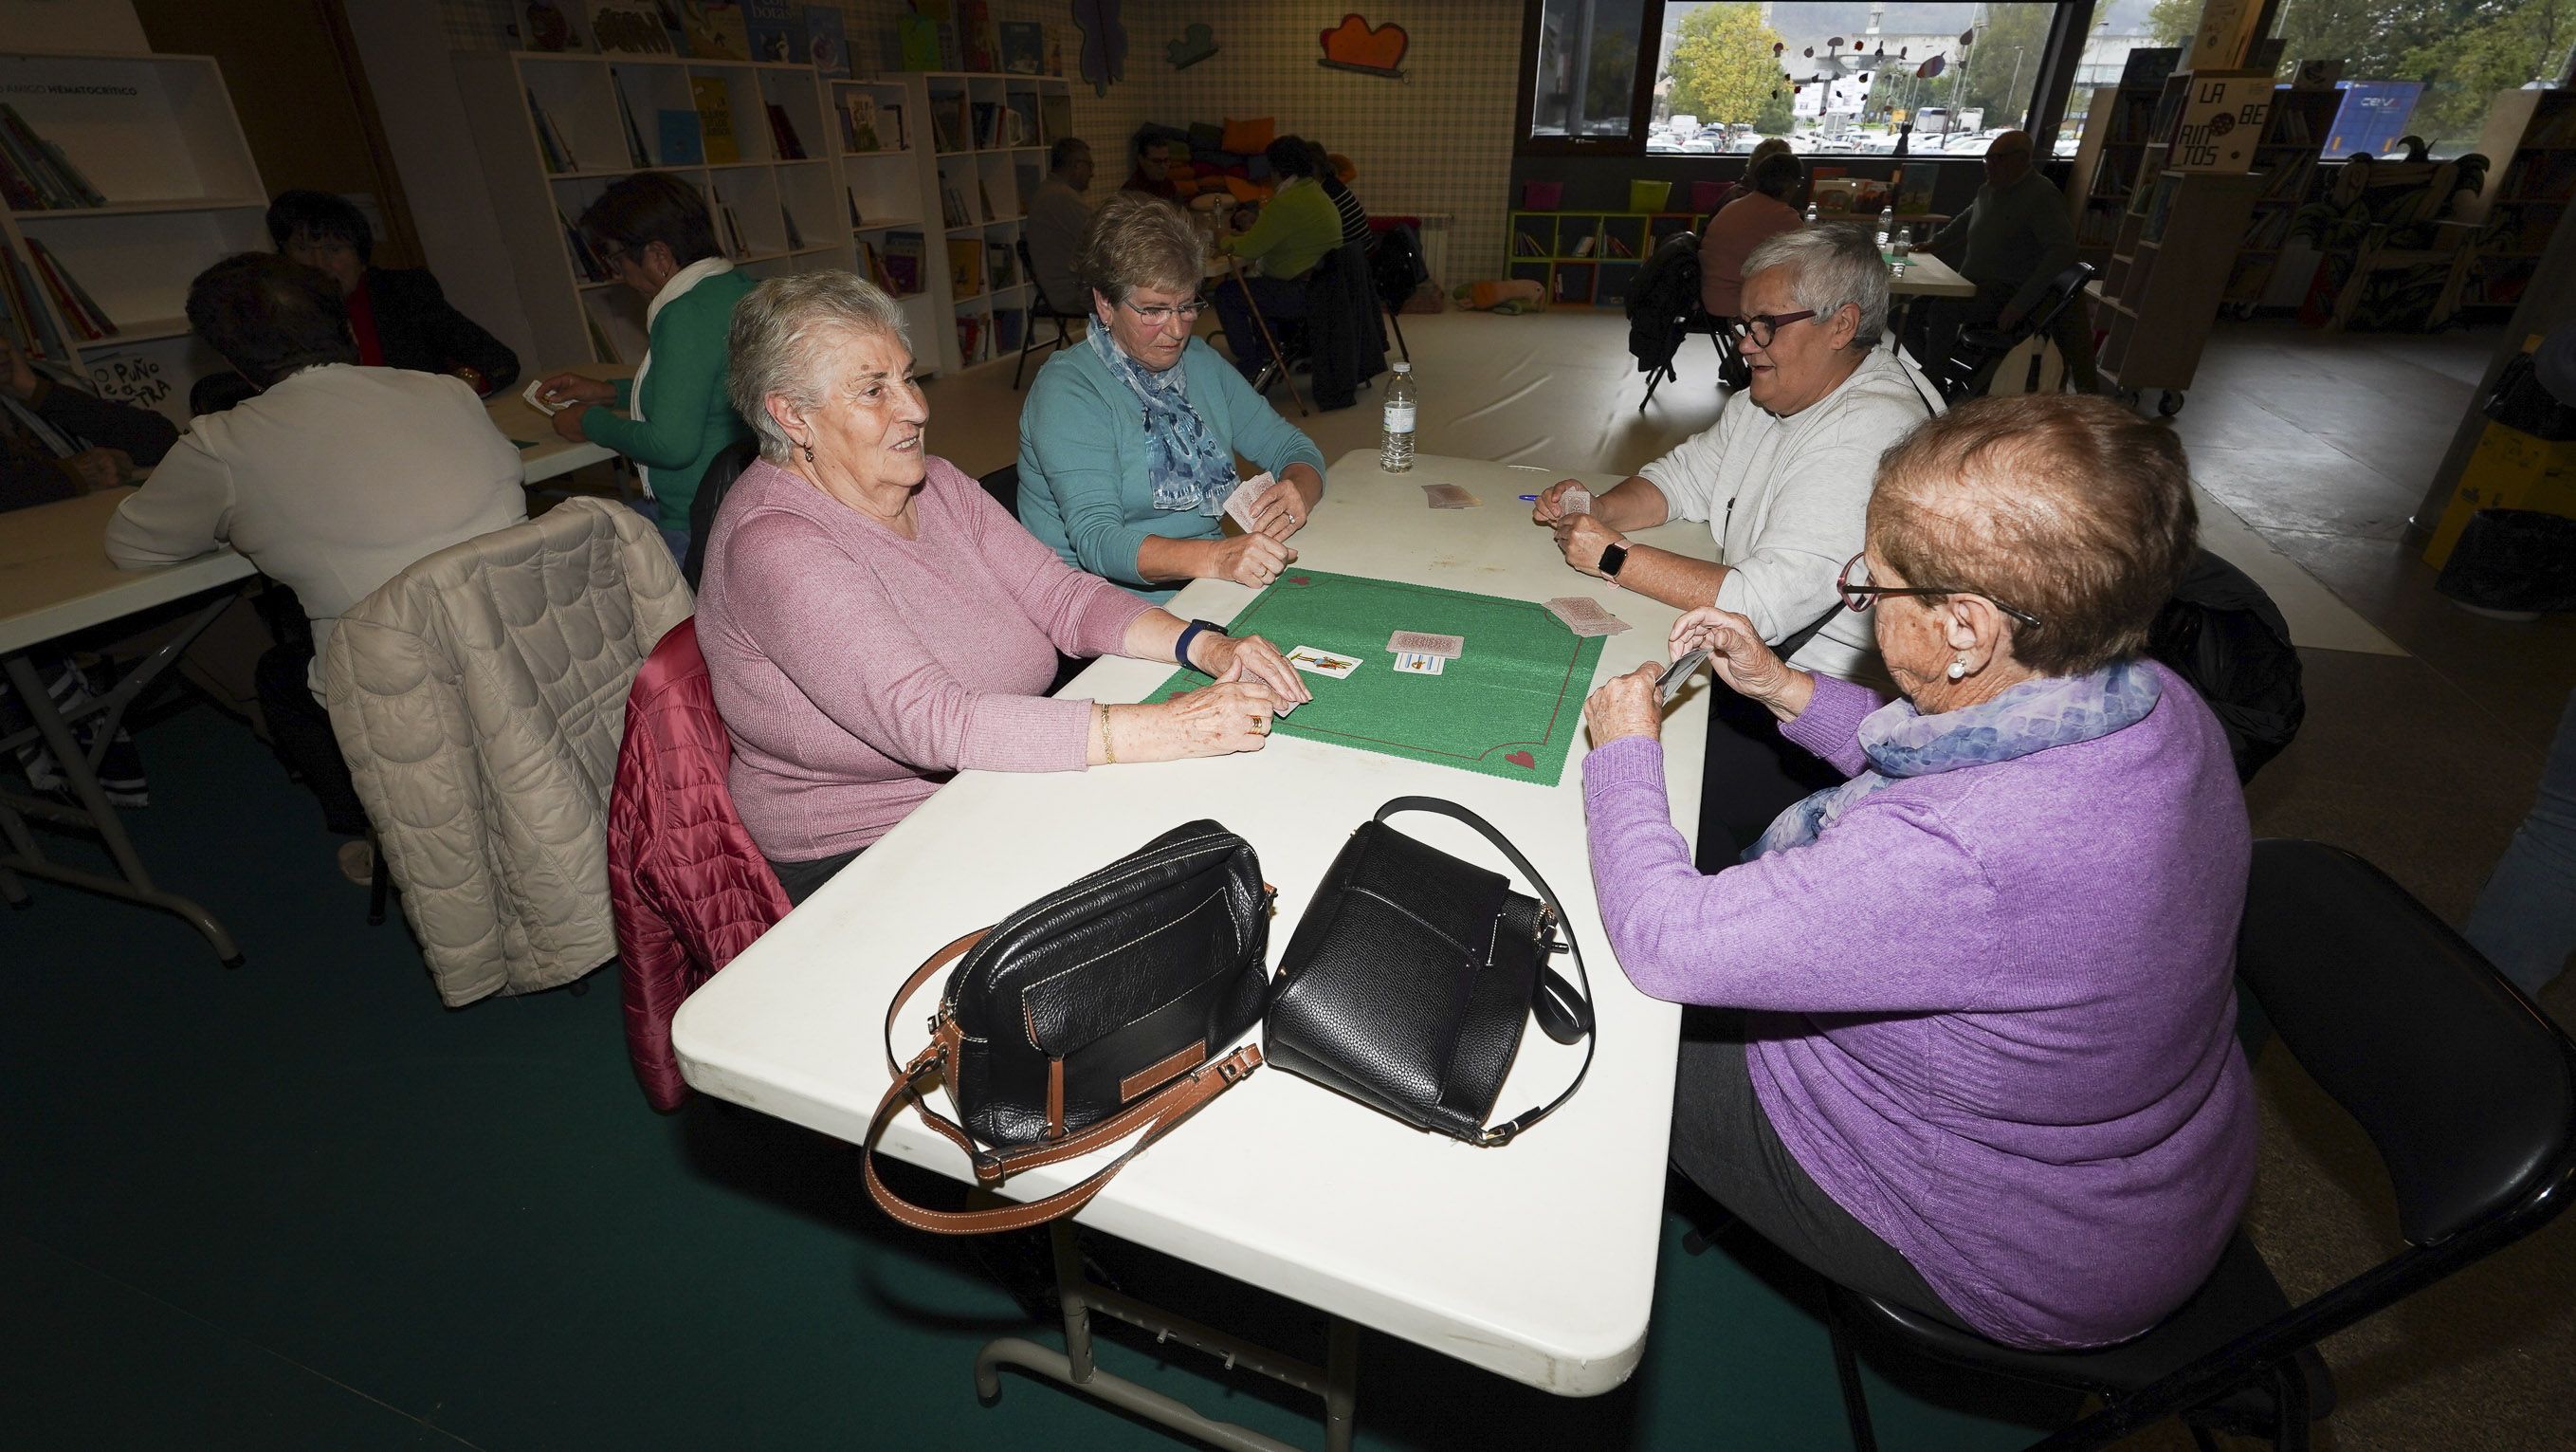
{"points": [[1246, 138]]}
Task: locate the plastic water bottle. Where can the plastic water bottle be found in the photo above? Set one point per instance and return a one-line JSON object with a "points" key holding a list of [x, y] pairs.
{"points": [[1395, 451], [1811, 212], [1886, 224], [1904, 246]]}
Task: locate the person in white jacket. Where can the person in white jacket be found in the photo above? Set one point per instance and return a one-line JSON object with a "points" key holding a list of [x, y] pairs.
{"points": [[1784, 487]]}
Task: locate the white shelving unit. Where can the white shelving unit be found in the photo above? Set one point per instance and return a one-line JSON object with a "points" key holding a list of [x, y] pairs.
{"points": [[978, 150], [157, 137], [610, 116]]}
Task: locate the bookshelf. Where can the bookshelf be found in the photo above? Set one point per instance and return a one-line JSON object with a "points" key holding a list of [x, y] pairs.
{"points": [[2121, 125], [1587, 259], [984, 139], [2294, 135], [555, 129], [2169, 264], [155, 138], [2531, 138]]}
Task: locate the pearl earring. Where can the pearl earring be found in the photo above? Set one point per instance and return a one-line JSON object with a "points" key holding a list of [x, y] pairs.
{"points": [[1959, 669]]}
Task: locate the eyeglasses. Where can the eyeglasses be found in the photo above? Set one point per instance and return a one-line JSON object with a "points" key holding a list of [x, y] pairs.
{"points": [[1761, 329], [1859, 594], [1158, 315], [609, 254]]}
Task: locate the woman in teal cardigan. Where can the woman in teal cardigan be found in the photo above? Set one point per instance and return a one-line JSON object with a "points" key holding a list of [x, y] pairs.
{"points": [[1128, 441], [652, 231]]}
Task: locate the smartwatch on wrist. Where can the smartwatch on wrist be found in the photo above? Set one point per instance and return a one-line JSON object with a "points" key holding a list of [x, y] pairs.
{"points": [[1612, 557], [1189, 635]]}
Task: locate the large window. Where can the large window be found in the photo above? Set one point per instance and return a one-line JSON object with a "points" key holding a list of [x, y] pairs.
{"points": [[1828, 75]]}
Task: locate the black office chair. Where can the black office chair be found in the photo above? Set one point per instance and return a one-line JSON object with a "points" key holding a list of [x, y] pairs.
{"points": [[722, 470], [1040, 311], [1970, 369], [1004, 485], [1396, 271], [2467, 1091]]}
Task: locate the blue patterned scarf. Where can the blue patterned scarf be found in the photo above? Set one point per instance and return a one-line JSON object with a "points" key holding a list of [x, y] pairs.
{"points": [[1187, 465], [2033, 716]]}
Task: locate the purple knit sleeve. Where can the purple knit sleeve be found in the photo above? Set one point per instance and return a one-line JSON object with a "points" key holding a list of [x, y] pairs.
{"points": [[1830, 726]]}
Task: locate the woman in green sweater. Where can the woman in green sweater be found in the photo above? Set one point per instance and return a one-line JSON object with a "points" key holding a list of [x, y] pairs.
{"points": [[1128, 442], [652, 231]]}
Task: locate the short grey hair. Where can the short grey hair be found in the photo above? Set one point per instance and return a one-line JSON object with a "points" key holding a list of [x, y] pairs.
{"points": [[1139, 240], [784, 340], [1835, 265]]}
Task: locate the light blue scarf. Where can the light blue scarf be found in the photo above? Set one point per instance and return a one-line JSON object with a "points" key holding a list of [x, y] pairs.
{"points": [[1187, 465], [2033, 716]]}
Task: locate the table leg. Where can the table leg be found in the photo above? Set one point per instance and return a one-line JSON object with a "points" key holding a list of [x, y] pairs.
{"points": [[134, 883], [1075, 1368]]}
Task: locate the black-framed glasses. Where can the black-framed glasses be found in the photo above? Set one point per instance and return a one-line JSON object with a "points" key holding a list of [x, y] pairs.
{"points": [[609, 254], [1159, 314], [1859, 594], [1761, 328]]}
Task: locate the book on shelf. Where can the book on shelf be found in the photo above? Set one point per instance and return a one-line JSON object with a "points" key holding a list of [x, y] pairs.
{"points": [[1003, 265], [856, 221], [948, 123], [859, 130], [585, 260], [890, 125], [970, 334], [679, 133], [775, 33], [787, 223], [716, 31], [38, 330], [2290, 125], [977, 44], [952, 207], [43, 165], [1055, 117], [872, 267], [714, 101], [550, 143], [916, 42], [1023, 44], [1020, 119], [1007, 323], [827, 40], [728, 228], [782, 133], [636, 155], [2222, 118], [903, 251], [987, 124], [2149, 65], [71, 300], [965, 267], [2160, 206], [630, 27]]}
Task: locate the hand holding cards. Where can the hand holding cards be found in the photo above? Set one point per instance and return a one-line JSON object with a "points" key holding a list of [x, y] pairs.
{"points": [[1239, 504], [535, 394], [1678, 674], [1577, 500]]}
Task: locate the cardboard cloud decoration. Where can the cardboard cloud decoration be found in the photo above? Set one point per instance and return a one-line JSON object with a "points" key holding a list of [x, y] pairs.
{"points": [[1196, 44], [1371, 50]]}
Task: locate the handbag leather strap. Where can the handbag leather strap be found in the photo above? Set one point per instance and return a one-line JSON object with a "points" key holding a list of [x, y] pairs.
{"points": [[1502, 1134], [1149, 1119], [1796, 640]]}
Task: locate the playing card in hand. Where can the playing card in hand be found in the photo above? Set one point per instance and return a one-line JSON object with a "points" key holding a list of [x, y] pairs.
{"points": [[1577, 500], [1448, 496], [1585, 616], [1239, 504]]}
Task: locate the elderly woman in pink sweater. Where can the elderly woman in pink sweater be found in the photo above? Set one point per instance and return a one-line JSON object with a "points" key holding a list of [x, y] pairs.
{"points": [[874, 622], [1979, 1056]]}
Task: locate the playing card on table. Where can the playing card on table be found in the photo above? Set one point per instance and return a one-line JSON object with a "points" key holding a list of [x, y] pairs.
{"points": [[1447, 647], [1238, 505], [1322, 662], [1415, 663], [1448, 496], [1577, 500], [1585, 616]]}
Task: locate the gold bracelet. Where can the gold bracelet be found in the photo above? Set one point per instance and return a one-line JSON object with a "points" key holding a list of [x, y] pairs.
{"points": [[1108, 748]]}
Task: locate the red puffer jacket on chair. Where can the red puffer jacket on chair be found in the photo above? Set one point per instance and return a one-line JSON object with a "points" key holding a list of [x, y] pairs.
{"points": [[688, 887]]}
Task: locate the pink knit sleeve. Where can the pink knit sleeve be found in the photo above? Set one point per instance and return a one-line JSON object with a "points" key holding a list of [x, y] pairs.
{"points": [[1082, 613], [828, 625]]}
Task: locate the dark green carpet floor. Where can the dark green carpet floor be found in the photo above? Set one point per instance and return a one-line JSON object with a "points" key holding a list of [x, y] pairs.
{"points": [[302, 1205]]}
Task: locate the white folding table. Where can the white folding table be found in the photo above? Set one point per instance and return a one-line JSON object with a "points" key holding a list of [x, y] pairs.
{"points": [[55, 578], [1281, 1183]]}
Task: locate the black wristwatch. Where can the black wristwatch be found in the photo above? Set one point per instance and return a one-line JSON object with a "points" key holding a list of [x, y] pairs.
{"points": [[1190, 633], [1612, 557]]}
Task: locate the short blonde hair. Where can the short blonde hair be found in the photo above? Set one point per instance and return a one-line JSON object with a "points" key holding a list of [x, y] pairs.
{"points": [[2070, 507], [784, 335], [1139, 240]]}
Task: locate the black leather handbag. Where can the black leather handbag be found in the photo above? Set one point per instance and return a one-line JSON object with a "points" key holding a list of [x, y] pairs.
{"points": [[1411, 977], [1100, 1011]]}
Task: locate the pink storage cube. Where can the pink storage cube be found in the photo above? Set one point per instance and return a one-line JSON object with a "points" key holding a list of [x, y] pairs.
{"points": [[1704, 195], [1542, 196]]}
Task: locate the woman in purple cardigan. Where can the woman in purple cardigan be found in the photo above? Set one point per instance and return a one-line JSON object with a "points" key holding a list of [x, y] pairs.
{"points": [[1983, 1060], [874, 622]]}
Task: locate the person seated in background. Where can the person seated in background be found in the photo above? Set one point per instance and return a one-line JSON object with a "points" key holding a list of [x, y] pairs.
{"points": [[1297, 226], [1977, 1054], [61, 442], [1783, 480], [1145, 507], [1333, 174], [1152, 173], [873, 622], [1058, 216], [2014, 239], [332, 481], [1734, 231], [398, 315], [1742, 187], [652, 232]]}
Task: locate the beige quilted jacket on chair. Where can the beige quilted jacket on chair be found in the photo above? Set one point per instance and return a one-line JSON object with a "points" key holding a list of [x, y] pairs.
{"points": [[480, 697]]}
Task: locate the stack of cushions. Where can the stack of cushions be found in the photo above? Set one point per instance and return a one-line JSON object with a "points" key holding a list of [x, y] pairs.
{"points": [[1208, 158]]}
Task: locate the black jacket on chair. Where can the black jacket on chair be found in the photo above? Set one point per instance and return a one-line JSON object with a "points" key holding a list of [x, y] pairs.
{"points": [[421, 330], [1345, 337]]}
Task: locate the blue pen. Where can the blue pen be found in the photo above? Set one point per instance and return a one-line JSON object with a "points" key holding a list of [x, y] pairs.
{"points": [[1529, 499]]}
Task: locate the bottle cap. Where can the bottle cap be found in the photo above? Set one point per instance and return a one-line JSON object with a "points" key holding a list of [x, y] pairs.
{"points": [[1401, 367]]}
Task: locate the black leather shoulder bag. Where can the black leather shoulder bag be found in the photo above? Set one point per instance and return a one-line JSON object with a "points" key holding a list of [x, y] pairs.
{"points": [[1100, 1011], [1411, 977]]}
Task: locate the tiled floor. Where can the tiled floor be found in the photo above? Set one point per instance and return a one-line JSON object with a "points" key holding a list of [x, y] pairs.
{"points": [[300, 1205]]}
